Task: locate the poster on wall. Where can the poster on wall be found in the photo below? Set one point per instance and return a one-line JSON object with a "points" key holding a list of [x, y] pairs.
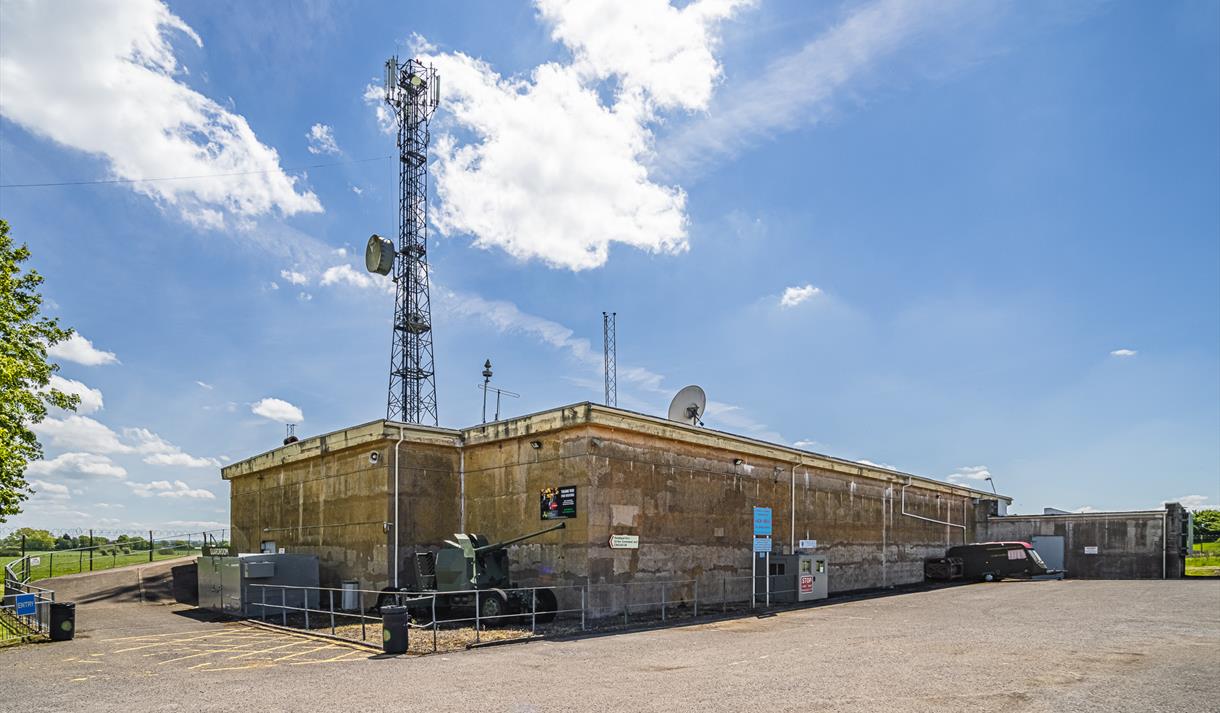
{"points": [[559, 503]]}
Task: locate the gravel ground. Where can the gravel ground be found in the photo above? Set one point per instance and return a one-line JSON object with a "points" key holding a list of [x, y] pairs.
{"points": [[1076, 646]]}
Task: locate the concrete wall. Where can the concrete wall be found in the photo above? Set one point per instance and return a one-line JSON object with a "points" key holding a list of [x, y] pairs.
{"points": [[680, 489], [682, 493], [326, 496], [1130, 545]]}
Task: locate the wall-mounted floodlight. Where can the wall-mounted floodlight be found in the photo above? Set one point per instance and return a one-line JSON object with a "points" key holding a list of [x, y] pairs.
{"points": [[535, 444], [379, 255], [738, 461]]}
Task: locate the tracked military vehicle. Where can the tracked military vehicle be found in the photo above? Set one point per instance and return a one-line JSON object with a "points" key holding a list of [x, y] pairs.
{"points": [[470, 562]]}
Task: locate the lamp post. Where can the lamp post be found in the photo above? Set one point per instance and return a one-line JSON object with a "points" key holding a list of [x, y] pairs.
{"points": [[486, 379], [989, 480]]}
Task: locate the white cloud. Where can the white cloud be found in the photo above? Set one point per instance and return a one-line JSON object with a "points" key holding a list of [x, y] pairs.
{"points": [[102, 78], [166, 489], [357, 190], [90, 399], [80, 350], [294, 278], [805, 444], [77, 465], [802, 88], [968, 473], [793, 296], [272, 286], [658, 52], [277, 410], [205, 386], [206, 524], [81, 433], [551, 171], [322, 140], [1191, 502], [304, 296], [54, 491], [1123, 353], [887, 466], [374, 96], [345, 274], [1085, 509], [159, 451]]}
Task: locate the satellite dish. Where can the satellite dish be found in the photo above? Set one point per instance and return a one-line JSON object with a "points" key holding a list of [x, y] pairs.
{"points": [[688, 406], [379, 255]]}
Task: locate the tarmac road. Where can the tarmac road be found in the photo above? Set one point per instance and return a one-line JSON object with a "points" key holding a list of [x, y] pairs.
{"points": [[1011, 646]]}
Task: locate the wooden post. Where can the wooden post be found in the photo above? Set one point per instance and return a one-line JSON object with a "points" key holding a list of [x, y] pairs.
{"points": [[150, 546]]}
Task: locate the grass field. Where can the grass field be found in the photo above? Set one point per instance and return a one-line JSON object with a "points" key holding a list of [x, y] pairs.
{"points": [[1204, 560], [55, 564]]}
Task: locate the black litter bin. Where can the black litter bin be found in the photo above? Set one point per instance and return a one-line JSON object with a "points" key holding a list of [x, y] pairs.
{"points": [[63, 621], [394, 629]]}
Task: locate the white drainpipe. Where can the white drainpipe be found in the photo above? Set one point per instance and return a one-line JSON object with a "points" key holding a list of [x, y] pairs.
{"points": [[401, 436], [928, 519], [461, 486], [792, 515]]}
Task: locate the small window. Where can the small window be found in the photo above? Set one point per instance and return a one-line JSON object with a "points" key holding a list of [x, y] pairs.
{"points": [[777, 569], [267, 547], [1016, 554], [806, 566]]}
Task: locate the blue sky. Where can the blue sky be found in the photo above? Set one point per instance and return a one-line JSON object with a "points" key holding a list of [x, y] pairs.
{"points": [[959, 240]]}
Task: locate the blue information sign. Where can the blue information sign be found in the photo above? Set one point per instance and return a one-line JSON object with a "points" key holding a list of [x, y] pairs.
{"points": [[25, 604], [762, 544], [762, 521]]}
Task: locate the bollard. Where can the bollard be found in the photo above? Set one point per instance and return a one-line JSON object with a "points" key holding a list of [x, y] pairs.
{"points": [[394, 629]]}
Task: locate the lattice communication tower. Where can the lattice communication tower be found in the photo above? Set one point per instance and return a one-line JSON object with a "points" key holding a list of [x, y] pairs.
{"points": [[610, 357], [413, 91]]}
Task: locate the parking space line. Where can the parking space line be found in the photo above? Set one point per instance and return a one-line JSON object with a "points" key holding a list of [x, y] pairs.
{"points": [[204, 653], [302, 653], [273, 648]]}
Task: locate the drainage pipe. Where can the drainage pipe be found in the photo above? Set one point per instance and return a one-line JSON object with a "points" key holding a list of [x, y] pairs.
{"points": [[928, 519], [401, 436], [792, 514], [461, 485]]}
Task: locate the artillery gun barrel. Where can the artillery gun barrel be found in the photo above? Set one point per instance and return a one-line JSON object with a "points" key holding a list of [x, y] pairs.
{"points": [[515, 540]]}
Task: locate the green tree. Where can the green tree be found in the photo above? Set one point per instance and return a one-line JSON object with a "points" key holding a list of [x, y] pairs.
{"points": [[1207, 525], [25, 373], [37, 540]]}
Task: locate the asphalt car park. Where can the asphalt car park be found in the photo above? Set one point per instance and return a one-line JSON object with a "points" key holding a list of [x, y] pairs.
{"points": [[1066, 645]]}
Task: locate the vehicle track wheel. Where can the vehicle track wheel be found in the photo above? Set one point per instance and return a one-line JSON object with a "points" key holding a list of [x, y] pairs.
{"points": [[491, 608]]}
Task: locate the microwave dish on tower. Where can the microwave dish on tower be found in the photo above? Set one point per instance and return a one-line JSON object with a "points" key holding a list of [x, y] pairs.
{"points": [[688, 406]]}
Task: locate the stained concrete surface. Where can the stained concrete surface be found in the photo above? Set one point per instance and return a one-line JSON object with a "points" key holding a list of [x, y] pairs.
{"points": [[1010, 646]]}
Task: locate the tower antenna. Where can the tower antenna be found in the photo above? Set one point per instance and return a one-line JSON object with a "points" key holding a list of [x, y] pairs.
{"points": [[610, 357], [413, 91]]}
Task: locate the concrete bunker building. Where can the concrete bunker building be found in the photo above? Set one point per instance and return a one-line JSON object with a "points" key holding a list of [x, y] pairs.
{"points": [[365, 498]]}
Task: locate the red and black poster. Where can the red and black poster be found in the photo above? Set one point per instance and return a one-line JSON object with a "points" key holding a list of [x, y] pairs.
{"points": [[559, 503]]}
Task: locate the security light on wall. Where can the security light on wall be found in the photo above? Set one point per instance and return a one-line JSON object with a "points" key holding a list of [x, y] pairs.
{"points": [[535, 444], [738, 461]]}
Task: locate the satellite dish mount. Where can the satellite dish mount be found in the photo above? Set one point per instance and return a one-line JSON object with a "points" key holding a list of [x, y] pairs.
{"points": [[688, 406]]}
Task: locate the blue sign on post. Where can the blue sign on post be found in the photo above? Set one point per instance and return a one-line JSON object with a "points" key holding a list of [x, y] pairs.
{"points": [[25, 604], [762, 521], [762, 545]]}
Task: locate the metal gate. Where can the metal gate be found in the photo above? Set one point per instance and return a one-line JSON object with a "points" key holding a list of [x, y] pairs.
{"points": [[1050, 547]]}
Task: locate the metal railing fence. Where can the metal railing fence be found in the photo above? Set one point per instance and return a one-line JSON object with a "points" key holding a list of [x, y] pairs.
{"points": [[579, 607], [17, 623]]}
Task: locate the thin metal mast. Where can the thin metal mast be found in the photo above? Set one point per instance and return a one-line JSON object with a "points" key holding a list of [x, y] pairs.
{"points": [[413, 92], [609, 357]]}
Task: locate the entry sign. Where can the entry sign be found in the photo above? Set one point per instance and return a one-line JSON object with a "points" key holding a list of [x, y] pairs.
{"points": [[25, 604], [762, 544], [762, 522]]}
